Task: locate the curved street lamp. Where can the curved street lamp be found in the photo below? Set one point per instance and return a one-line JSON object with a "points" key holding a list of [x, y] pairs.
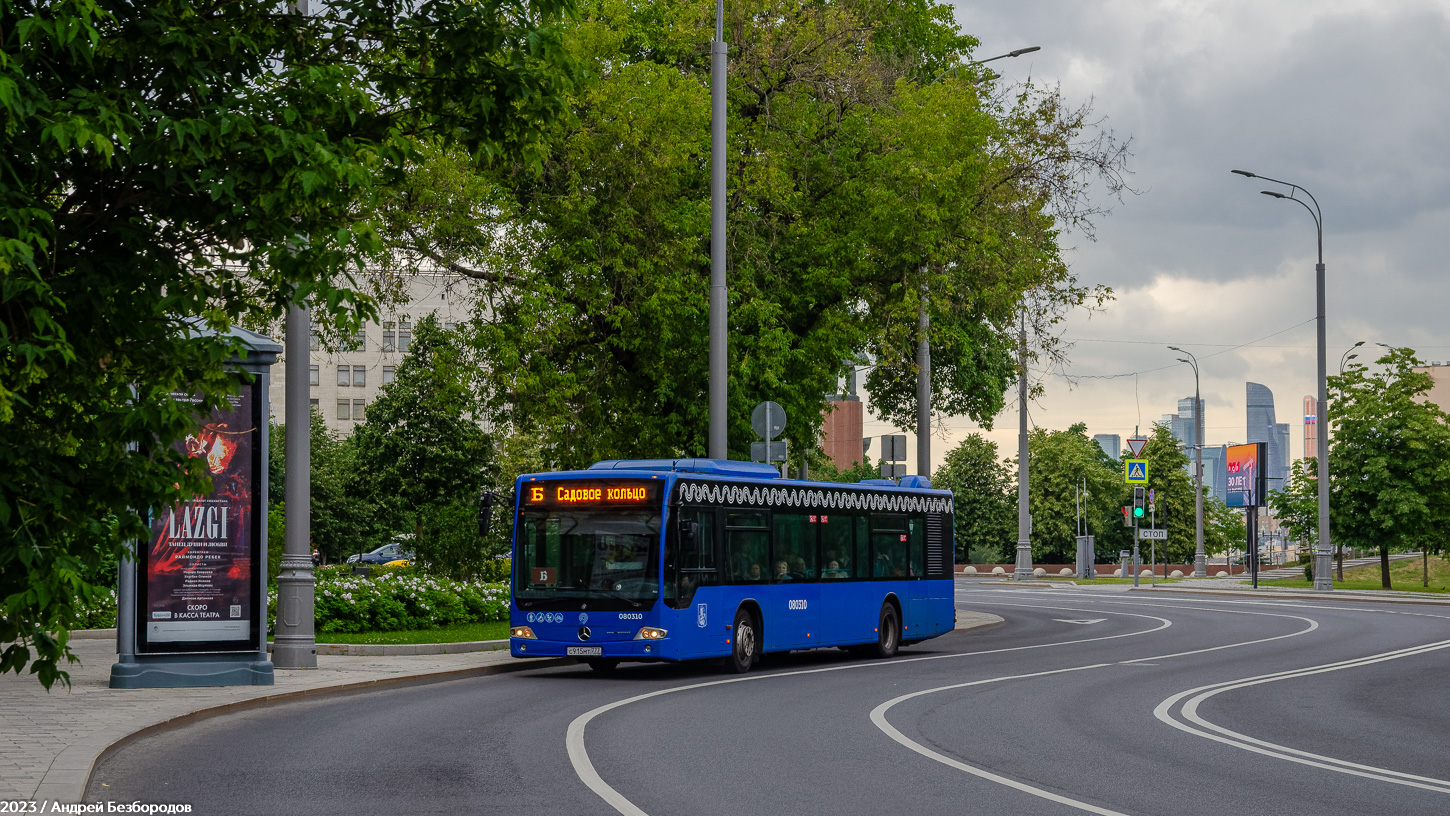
{"points": [[1200, 559], [1322, 579]]}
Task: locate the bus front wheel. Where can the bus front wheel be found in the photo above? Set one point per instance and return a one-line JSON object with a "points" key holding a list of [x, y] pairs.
{"points": [[743, 643], [888, 633]]}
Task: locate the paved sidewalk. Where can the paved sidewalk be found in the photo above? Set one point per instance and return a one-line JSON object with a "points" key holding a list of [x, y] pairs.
{"points": [[49, 741]]}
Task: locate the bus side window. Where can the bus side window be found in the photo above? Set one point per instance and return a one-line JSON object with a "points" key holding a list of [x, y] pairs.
{"points": [[863, 546], [837, 546], [916, 537], [794, 552], [694, 560], [747, 546], [889, 546]]}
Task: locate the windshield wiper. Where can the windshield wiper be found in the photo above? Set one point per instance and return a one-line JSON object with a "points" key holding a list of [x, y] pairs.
{"points": [[625, 598]]}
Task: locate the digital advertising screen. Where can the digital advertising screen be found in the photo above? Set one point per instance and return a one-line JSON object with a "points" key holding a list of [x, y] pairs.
{"points": [[1245, 475], [197, 585]]}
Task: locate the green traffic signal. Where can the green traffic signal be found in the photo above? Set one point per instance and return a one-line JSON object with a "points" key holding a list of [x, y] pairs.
{"points": [[1137, 512]]}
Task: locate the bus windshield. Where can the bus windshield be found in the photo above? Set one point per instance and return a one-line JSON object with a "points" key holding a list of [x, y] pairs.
{"points": [[606, 558]]}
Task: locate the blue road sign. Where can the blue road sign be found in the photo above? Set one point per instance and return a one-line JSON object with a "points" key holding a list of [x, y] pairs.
{"points": [[1135, 471]]}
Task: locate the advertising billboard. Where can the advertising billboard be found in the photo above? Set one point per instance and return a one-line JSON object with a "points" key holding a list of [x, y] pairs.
{"points": [[197, 588], [1245, 466]]}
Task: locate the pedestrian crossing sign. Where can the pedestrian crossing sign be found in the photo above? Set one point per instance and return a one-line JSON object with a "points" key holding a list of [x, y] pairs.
{"points": [[1135, 471]]}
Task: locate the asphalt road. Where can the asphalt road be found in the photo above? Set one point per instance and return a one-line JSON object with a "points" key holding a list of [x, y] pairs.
{"points": [[1082, 701]]}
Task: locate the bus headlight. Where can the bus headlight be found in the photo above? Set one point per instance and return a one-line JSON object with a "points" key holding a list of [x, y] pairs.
{"points": [[523, 632], [650, 633]]}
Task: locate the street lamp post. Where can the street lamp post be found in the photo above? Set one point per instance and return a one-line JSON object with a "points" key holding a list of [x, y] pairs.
{"points": [[1322, 578], [719, 304], [1200, 559]]}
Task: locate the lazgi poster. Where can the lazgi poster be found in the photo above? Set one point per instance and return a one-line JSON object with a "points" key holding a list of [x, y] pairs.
{"points": [[199, 562]]}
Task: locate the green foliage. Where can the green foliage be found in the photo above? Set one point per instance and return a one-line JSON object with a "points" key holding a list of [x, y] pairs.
{"points": [[855, 185], [985, 500], [173, 161], [1296, 506], [420, 457], [344, 518], [1388, 463], [1173, 497], [276, 540], [1058, 463], [1225, 529], [399, 600]]}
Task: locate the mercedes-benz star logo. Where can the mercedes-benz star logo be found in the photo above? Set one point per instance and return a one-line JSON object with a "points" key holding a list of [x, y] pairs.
{"points": [[584, 633]]}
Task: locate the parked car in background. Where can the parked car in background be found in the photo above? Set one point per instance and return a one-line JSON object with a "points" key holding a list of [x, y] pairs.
{"points": [[393, 551]]}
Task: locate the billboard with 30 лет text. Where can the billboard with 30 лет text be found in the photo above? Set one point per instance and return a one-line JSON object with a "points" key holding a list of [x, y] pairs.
{"points": [[197, 592], [1245, 487]]}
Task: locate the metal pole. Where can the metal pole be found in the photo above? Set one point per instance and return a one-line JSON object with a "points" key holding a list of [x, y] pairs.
{"points": [[1023, 568], [1322, 577], [719, 447], [296, 643], [923, 387]]}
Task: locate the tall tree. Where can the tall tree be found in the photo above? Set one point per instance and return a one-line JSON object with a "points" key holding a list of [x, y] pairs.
{"points": [[857, 187], [1062, 462], [985, 498], [176, 160], [421, 454], [1389, 459], [1172, 496]]}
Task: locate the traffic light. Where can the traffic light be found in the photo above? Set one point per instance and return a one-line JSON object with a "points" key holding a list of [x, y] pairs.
{"points": [[1138, 497], [1127, 518]]}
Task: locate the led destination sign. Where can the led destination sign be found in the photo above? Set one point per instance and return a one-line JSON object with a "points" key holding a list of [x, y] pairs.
{"points": [[597, 493]]}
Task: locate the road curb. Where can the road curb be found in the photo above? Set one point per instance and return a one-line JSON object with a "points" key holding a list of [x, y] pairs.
{"points": [[407, 649], [1337, 595], [70, 772]]}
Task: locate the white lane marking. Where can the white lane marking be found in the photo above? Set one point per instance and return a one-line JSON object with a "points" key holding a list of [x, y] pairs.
{"points": [[1080, 622], [878, 715], [584, 767], [1189, 710]]}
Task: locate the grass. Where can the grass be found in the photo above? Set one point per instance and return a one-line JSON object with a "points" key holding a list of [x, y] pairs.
{"points": [[491, 630], [1406, 575]]}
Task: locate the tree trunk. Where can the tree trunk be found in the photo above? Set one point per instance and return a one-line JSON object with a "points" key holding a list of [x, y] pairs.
{"points": [[1426, 556], [1385, 566]]}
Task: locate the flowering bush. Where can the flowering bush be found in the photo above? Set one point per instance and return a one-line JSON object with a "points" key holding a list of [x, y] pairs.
{"points": [[99, 613], [399, 599]]}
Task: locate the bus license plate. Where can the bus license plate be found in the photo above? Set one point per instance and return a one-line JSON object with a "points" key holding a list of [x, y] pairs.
{"points": [[584, 651]]}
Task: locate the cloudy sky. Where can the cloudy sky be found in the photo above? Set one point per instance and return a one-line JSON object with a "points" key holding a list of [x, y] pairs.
{"points": [[1349, 99]]}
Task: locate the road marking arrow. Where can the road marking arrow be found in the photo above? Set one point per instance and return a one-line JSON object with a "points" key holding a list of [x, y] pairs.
{"points": [[1080, 622]]}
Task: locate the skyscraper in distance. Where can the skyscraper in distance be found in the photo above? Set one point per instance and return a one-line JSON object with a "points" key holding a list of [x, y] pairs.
{"points": [[1112, 445], [1262, 426]]}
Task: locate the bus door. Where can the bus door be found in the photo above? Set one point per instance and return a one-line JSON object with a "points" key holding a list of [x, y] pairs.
{"points": [[919, 606], [692, 584], [845, 558], [793, 613]]}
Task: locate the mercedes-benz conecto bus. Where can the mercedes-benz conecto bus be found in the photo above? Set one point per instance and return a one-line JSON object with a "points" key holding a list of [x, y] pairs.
{"points": [[650, 560]]}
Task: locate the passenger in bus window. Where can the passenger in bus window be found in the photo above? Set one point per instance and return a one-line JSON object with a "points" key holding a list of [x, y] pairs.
{"points": [[883, 566], [798, 569], [782, 571], [754, 573], [833, 570]]}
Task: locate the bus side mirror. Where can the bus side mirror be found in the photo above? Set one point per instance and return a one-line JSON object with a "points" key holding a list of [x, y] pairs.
{"points": [[689, 534], [485, 512]]}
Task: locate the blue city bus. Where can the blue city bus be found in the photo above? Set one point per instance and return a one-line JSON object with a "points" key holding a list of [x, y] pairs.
{"points": [[671, 560]]}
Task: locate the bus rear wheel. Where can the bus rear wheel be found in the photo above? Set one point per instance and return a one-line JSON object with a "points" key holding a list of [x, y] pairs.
{"points": [[888, 633], [743, 643]]}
